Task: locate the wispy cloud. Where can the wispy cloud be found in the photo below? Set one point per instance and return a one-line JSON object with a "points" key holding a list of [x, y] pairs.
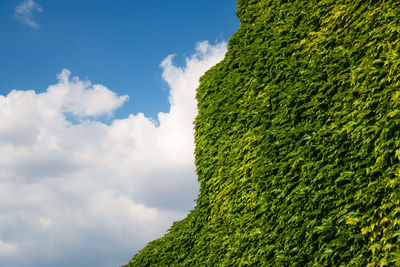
{"points": [[89, 193], [24, 12]]}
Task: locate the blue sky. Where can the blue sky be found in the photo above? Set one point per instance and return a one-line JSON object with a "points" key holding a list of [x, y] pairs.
{"points": [[96, 133], [116, 43]]}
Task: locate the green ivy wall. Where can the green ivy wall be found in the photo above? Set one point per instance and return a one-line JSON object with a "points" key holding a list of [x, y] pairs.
{"points": [[297, 142]]}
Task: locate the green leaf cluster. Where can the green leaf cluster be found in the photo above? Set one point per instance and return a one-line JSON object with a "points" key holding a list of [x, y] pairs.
{"points": [[297, 142]]}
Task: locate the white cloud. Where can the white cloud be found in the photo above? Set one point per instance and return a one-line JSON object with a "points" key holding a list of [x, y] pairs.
{"points": [[6, 248], [85, 193], [24, 12]]}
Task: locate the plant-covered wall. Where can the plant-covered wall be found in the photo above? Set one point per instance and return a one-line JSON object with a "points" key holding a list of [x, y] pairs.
{"points": [[297, 142]]}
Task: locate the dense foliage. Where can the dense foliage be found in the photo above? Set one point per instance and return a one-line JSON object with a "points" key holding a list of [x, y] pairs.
{"points": [[297, 142]]}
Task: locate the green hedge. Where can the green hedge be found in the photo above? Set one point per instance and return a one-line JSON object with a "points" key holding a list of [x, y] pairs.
{"points": [[297, 142]]}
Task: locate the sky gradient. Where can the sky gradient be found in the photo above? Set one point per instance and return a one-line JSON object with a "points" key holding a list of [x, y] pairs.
{"points": [[118, 44], [96, 139]]}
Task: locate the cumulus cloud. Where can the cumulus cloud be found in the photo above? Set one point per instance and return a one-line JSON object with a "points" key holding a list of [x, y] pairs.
{"points": [[86, 193], [24, 12]]}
